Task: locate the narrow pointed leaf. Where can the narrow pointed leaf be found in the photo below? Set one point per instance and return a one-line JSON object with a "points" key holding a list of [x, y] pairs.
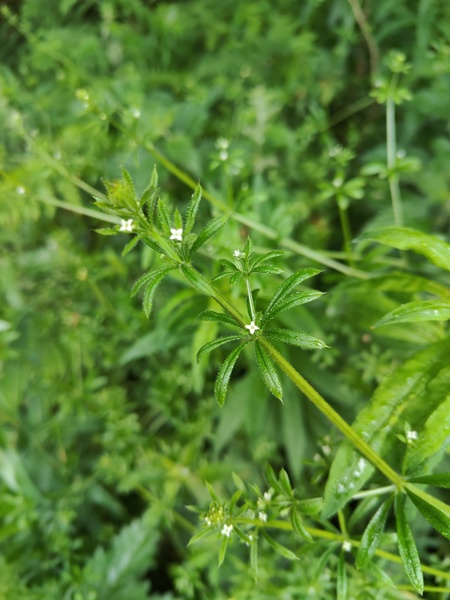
{"points": [[146, 278], [436, 512], [272, 479], [192, 209], [278, 547], [223, 548], [228, 264], [107, 231], [224, 374], [163, 217], [222, 275], [285, 483], [149, 293], [436, 479], [436, 250], [131, 244], [311, 506], [210, 346], [291, 301], [266, 257], [178, 220], [211, 492], [209, 231], [407, 547], [268, 371], [153, 245], [290, 283], [267, 269], [295, 338], [298, 526], [235, 277], [129, 185], [210, 315], [150, 197], [414, 312], [372, 535], [199, 534]]}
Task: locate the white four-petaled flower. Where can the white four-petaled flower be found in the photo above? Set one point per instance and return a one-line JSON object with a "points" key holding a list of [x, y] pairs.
{"points": [[126, 225], [226, 530], [262, 516], [237, 253], [252, 327], [177, 234], [346, 546], [411, 436]]}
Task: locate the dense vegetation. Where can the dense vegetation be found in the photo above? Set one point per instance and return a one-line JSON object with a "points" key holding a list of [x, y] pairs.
{"points": [[319, 128]]}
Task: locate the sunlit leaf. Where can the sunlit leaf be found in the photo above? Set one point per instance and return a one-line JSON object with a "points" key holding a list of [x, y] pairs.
{"points": [[289, 284], [268, 371], [210, 315], [436, 250], [407, 546], [419, 310], [210, 346], [436, 479], [289, 302], [279, 547], [146, 278], [295, 338], [208, 232], [436, 512], [192, 209], [372, 534], [341, 579], [224, 374]]}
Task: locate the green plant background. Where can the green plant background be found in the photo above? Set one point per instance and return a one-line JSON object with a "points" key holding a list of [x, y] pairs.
{"points": [[109, 428]]}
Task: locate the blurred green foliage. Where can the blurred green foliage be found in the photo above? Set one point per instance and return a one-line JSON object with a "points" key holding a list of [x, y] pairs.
{"points": [[108, 426]]}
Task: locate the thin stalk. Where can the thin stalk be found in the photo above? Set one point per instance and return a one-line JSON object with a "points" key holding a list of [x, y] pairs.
{"points": [[391, 142], [328, 411], [250, 299]]}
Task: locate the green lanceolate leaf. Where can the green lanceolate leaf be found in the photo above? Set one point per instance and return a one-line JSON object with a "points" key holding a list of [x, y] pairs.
{"points": [[436, 512], [285, 483], [272, 479], [433, 439], [403, 238], [289, 302], [210, 346], [163, 217], [295, 338], [407, 547], [223, 548], [192, 209], [150, 197], [208, 232], [149, 293], [224, 374], [372, 535], [266, 257], [153, 245], [147, 278], [210, 315], [436, 479], [199, 534], [278, 547], [222, 275], [129, 188], [177, 220], [414, 312], [107, 230], [404, 390], [289, 284], [268, 371], [298, 526], [267, 269], [131, 244]]}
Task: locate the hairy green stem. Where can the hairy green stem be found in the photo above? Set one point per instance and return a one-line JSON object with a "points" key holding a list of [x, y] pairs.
{"points": [[250, 298], [346, 232]]}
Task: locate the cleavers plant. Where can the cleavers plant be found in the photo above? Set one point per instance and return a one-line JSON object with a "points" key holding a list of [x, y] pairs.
{"points": [[148, 219]]}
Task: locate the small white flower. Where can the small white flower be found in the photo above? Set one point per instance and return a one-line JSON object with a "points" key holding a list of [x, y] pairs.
{"points": [[126, 225], [177, 234], [338, 182], [222, 143], [238, 254], [326, 450], [346, 546], [136, 113], [252, 327], [226, 530], [411, 436], [223, 155], [267, 496], [208, 521], [20, 190], [262, 516]]}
